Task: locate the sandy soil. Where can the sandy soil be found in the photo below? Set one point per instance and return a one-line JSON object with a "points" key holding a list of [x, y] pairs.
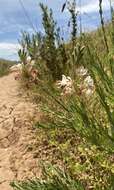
{"points": [[17, 114]]}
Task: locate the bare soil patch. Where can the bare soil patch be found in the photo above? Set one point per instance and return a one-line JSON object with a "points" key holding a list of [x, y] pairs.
{"points": [[17, 115]]}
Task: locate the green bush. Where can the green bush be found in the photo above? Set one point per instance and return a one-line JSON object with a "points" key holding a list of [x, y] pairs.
{"points": [[4, 67], [56, 179]]}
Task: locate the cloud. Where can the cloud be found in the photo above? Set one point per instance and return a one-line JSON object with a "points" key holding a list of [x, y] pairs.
{"points": [[9, 46], [93, 6], [9, 50]]}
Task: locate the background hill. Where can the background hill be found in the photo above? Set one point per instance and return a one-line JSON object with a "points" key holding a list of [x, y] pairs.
{"points": [[5, 65]]}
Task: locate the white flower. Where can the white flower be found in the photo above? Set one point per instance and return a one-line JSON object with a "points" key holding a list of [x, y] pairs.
{"points": [[68, 78], [63, 82], [28, 59], [32, 63], [89, 82], [16, 68], [81, 71], [66, 84], [69, 82], [68, 90], [89, 92]]}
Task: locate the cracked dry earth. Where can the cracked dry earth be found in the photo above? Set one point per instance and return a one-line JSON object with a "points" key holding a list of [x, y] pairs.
{"points": [[17, 114]]}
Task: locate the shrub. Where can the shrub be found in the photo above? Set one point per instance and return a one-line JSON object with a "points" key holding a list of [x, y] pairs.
{"points": [[4, 67], [56, 179]]}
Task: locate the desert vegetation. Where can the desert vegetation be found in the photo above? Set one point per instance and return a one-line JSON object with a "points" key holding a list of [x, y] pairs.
{"points": [[74, 84], [5, 66]]}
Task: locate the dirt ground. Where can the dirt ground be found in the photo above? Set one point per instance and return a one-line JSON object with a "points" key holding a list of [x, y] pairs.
{"points": [[17, 114]]}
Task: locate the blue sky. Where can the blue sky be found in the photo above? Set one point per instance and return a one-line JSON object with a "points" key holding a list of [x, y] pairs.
{"points": [[13, 20]]}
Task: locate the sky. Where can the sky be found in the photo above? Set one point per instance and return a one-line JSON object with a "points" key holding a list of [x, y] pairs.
{"points": [[13, 20]]}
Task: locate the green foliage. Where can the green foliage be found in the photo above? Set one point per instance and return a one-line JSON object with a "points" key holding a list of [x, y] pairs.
{"points": [[50, 52], [55, 179], [4, 67], [72, 10], [48, 49], [102, 24], [31, 46]]}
